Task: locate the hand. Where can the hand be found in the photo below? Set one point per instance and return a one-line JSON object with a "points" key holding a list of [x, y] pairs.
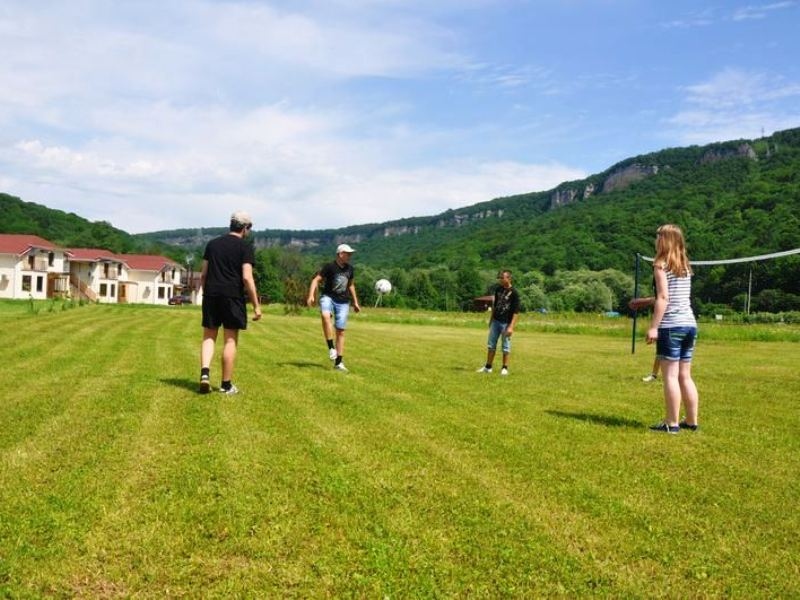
{"points": [[257, 314], [310, 301], [639, 303], [356, 307], [652, 335], [509, 331]]}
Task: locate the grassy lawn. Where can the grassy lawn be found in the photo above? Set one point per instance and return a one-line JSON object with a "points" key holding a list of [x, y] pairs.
{"points": [[411, 476]]}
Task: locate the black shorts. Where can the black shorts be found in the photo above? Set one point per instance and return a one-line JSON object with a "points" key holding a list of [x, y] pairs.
{"points": [[219, 311]]}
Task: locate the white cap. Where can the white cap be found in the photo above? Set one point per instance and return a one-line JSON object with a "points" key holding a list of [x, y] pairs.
{"points": [[344, 248], [242, 218]]}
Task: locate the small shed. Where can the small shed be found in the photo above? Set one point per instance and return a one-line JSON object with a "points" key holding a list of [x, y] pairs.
{"points": [[482, 303]]}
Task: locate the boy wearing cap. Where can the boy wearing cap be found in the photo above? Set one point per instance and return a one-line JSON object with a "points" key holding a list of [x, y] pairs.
{"points": [[338, 289], [227, 274]]}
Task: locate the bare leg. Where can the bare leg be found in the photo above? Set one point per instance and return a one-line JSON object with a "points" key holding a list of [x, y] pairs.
{"points": [[672, 391], [229, 353], [207, 347], [490, 357], [340, 342], [505, 359], [688, 392], [327, 327]]}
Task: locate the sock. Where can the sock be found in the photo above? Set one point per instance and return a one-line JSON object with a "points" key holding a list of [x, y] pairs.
{"points": [[205, 371], [226, 385], [330, 344], [338, 360], [488, 365]]}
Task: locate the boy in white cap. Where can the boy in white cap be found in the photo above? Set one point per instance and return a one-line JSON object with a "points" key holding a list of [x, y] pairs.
{"points": [[226, 276], [338, 289]]}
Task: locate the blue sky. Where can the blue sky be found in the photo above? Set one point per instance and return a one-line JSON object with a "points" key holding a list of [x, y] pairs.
{"points": [[313, 114]]}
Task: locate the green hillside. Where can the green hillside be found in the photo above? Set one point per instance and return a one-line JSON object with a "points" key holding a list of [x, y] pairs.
{"points": [[734, 199]]}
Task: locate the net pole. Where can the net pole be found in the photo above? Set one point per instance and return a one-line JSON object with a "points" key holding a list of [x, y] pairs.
{"points": [[635, 295]]}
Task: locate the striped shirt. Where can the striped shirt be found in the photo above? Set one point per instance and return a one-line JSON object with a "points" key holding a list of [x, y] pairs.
{"points": [[679, 310]]}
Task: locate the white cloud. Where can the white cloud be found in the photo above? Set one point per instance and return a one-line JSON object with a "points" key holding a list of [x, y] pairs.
{"points": [[759, 11], [735, 103]]}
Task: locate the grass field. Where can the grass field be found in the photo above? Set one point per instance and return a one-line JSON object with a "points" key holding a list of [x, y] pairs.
{"points": [[411, 476]]}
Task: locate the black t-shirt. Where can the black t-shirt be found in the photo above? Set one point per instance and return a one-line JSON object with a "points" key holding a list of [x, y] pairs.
{"points": [[337, 280], [226, 255], [506, 304]]}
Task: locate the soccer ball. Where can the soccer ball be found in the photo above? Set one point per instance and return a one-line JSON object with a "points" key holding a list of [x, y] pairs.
{"points": [[383, 286]]}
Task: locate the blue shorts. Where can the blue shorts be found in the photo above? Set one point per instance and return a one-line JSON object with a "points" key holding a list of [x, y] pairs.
{"points": [[496, 329], [676, 343], [339, 310]]}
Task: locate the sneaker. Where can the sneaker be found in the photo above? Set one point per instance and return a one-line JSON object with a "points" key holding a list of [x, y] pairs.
{"points": [[665, 428], [504, 371], [340, 367], [205, 384], [484, 369], [332, 353], [230, 391], [650, 378], [685, 425]]}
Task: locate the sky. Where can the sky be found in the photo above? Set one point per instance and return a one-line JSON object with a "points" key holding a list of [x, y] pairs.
{"points": [[316, 114]]}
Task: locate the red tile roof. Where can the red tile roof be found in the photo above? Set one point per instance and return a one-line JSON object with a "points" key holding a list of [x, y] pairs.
{"points": [[147, 262], [19, 243], [92, 254]]}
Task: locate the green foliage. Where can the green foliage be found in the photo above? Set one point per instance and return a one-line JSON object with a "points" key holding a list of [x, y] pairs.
{"points": [[65, 229], [729, 206]]}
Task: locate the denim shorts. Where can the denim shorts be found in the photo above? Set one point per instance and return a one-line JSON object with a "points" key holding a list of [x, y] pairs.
{"points": [[496, 329], [676, 343], [339, 310]]}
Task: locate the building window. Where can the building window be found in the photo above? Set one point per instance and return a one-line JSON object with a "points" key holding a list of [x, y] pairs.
{"points": [[40, 284], [51, 259], [161, 294], [113, 290], [103, 289], [26, 283], [119, 268]]}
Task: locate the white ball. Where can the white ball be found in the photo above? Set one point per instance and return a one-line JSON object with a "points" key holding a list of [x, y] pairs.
{"points": [[383, 286]]}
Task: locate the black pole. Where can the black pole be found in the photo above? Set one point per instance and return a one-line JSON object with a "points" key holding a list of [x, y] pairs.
{"points": [[635, 295]]}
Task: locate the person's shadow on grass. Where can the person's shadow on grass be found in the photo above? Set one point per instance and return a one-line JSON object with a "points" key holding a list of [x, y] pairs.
{"points": [[301, 364], [608, 421], [184, 384]]}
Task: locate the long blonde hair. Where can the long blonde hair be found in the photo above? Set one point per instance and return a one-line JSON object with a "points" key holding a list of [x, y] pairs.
{"points": [[671, 250]]}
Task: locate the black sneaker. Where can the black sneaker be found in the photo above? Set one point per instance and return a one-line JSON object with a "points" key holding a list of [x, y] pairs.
{"points": [[205, 384], [666, 428], [685, 425]]}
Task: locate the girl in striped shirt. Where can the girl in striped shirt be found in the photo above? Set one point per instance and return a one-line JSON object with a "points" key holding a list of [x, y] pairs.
{"points": [[673, 328]]}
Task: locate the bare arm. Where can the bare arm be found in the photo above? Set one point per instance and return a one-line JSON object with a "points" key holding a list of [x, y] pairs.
{"points": [[203, 274], [250, 286], [510, 326], [312, 289], [354, 296], [660, 304]]}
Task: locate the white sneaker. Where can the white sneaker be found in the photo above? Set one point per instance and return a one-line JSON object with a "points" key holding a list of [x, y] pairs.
{"points": [[230, 391], [503, 371], [205, 384], [484, 369], [650, 378], [332, 353], [340, 367]]}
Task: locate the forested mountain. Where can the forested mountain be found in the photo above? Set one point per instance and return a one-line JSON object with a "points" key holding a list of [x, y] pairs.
{"points": [[70, 230], [733, 199]]}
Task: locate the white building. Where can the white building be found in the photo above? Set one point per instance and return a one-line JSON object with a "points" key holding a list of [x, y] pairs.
{"points": [[32, 267]]}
